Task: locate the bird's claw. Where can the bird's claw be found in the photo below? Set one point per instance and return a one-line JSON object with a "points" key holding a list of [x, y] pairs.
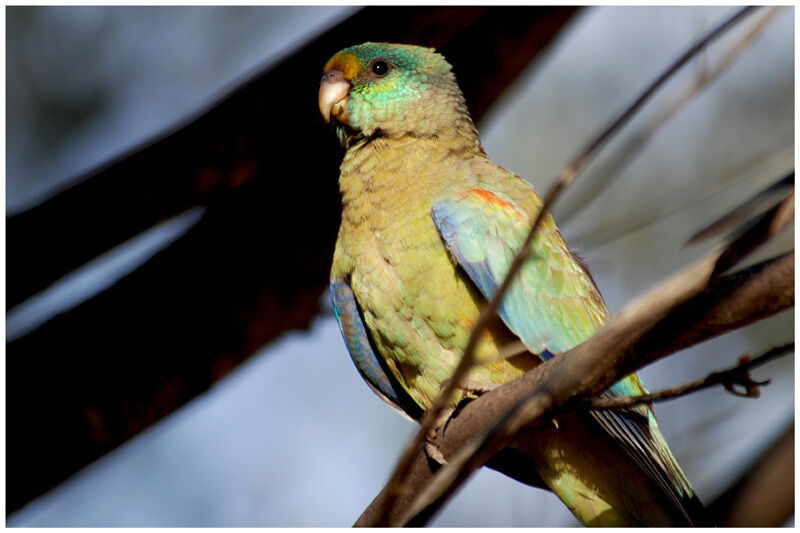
{"points": [[472, 386], [433, 451], [751, 387]]}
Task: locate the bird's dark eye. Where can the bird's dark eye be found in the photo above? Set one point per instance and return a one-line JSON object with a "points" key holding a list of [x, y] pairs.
{"points": [[380, 67]]}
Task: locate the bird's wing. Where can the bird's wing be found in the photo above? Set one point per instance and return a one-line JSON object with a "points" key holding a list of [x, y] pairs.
{"points": [[553, 305], [356, 337]]}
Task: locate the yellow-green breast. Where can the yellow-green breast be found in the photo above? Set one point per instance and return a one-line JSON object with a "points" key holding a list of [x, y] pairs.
{"points": [[418, 305]]}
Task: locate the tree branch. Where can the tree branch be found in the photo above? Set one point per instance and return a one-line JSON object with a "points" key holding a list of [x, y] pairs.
{"points": [[731, 302], [736, 375]]}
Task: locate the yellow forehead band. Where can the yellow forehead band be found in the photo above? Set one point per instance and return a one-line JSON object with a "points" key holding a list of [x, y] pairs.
{"points": [[347, 64]]}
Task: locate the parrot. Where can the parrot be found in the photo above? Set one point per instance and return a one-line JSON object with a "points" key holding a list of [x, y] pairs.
{"points": [[429, 228]]}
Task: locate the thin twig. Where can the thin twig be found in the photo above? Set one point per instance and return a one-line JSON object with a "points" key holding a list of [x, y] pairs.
{"points": [[695, 193], [765, 226], [737, 375], [614, 165], [567, 176], [761, 201]]}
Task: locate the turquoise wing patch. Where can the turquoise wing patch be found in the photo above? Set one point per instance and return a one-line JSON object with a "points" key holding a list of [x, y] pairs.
{"points": [[552, 306], [549, 305]]}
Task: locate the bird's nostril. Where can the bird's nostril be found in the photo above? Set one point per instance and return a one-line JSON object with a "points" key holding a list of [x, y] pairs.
{"points": [[332, 76]]}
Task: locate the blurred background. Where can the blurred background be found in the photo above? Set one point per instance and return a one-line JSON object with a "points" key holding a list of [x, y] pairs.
{"points": [[292, 436]]}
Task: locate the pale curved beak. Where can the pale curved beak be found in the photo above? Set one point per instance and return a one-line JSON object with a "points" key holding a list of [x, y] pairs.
{"points": [[333, 90]]}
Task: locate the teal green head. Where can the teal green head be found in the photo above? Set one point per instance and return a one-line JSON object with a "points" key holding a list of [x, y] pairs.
{"points": [[390, 90]]}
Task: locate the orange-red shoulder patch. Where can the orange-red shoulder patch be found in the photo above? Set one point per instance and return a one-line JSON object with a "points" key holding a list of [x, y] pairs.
{"points": [[491, 197]]}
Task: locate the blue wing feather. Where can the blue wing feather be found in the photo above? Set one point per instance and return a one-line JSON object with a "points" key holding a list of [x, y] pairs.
{"points": [[355, 337]]}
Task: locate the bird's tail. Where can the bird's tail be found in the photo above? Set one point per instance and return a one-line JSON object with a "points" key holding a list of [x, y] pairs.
{"points": [[595, 477]]}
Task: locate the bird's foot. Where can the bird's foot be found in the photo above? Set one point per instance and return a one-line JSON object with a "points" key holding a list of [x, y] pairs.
{"points": [[472, 386], [433, 451], [431, 448], [478, 387]]}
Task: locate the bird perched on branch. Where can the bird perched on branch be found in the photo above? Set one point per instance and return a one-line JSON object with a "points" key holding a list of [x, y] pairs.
{"points": [[429, 228]]}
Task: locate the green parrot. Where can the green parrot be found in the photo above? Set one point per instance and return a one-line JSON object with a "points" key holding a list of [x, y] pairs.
{"points": [[429, 228]]}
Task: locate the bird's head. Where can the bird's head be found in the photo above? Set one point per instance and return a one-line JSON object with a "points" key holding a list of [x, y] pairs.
{"points": [[391, 90]]}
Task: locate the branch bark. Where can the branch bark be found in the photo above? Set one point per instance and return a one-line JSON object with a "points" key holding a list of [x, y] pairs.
{"points": [[730, 302]]}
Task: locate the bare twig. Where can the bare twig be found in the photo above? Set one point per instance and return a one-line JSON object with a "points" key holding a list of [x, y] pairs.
{"points": [[764, 198], [764, 228], [732, 301], [487, 314], [694, 193], [614, 165], [737, 375]]}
